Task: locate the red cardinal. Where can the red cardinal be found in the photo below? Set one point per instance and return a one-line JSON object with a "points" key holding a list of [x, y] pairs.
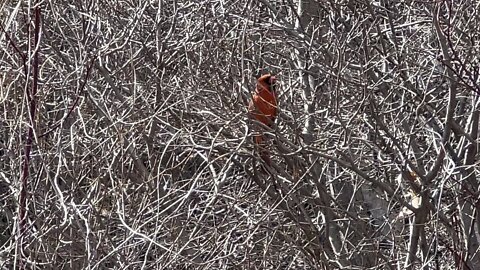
{"points": [[263, 107]]}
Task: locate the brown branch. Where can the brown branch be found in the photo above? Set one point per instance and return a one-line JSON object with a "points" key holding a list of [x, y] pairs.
{"points": [[31, 99]]}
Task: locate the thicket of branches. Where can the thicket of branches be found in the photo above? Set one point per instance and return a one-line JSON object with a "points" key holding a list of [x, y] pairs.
{"points": [[125, 141]]}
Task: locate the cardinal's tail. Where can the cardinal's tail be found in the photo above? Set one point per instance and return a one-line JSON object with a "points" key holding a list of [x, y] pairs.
{"points": [[259, 141], [265, 155]]}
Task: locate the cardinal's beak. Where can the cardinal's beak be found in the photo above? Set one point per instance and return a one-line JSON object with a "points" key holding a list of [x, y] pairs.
{"points": [[273, 80], [273, 84]]}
